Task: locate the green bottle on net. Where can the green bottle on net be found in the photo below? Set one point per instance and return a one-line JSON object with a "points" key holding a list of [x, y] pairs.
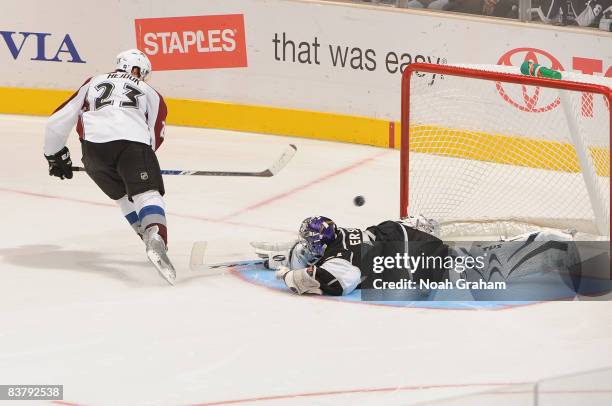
{"points": [[534, 69]]}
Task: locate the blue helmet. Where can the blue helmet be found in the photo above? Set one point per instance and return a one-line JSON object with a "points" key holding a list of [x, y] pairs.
{"points": [[317, 232]]}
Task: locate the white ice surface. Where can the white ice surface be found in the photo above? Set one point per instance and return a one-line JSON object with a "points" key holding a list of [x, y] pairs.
{"points": [[80, 305]]}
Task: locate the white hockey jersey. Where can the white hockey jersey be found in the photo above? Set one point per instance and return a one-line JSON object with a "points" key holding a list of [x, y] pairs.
{"points": [[109, 107]]}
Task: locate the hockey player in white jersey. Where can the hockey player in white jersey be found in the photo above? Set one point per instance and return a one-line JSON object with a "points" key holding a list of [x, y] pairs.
{"points": [[120, 120]]}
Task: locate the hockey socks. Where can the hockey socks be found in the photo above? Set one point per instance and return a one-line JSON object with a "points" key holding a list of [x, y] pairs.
{"points": [[129, 212], [150, 208]]}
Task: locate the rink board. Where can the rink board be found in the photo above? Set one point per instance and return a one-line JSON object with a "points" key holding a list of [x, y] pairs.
{"points": [[258, 275]]}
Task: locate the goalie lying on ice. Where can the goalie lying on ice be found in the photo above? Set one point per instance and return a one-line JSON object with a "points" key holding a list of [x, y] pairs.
{"points": [[332, 260], [327, 259]]}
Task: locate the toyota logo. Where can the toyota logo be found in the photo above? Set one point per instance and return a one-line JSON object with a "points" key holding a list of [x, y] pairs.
{"points": [[529, 102]]}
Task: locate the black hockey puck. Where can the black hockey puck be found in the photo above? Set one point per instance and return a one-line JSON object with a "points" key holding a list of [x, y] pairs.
{"points": [[359, 201]]}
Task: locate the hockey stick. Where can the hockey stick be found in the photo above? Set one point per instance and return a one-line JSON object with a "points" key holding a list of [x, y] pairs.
{"points": [[266, 173], [197, 263]]}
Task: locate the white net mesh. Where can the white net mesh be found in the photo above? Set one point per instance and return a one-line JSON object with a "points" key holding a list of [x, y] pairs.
{"points": [[501, 158]]}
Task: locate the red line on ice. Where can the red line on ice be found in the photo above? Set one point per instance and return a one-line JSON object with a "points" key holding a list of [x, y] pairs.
{"points": [[226, 219], [305, 186], [357, 390], [187, 216], [395, 389]]}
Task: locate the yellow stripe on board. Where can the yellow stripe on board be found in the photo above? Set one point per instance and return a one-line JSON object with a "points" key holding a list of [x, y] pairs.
{"points": [[227, 116], [518, 151], [279, 121], [38, 102], [455, 143]]}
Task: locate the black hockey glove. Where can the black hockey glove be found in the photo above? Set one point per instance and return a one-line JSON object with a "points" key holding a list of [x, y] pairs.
{"points": [[60, 164]]}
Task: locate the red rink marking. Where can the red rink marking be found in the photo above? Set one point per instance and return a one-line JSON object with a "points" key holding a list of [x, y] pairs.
{"points": [[226, 219], [508, 391], [354, 391], [172, 214], [391, 134], [305, 186]]}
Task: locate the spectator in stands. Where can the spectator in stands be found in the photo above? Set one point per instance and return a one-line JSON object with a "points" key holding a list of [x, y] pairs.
{"points": [[574, 12], [388, 2], [431, 4], [606, 19], [495, 8], [584, 13]]}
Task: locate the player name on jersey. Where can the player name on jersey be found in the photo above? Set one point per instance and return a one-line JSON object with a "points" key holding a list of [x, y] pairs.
{"points": [[123, 76]]}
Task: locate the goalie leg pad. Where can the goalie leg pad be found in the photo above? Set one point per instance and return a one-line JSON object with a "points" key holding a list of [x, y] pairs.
{"points": [[300, 281]]}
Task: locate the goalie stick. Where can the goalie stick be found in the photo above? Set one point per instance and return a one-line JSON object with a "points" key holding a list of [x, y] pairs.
{"points": [[197, 262], [275, 168]]}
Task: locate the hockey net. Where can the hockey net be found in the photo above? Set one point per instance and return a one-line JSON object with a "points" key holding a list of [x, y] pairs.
{"points": [[487, 151]]}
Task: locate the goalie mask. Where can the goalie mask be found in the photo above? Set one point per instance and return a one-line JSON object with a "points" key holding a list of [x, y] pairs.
{"points": [[317, 233], [133, 58]]}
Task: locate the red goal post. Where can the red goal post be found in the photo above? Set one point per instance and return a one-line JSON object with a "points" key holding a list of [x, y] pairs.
{"points": [[483, 75]]}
